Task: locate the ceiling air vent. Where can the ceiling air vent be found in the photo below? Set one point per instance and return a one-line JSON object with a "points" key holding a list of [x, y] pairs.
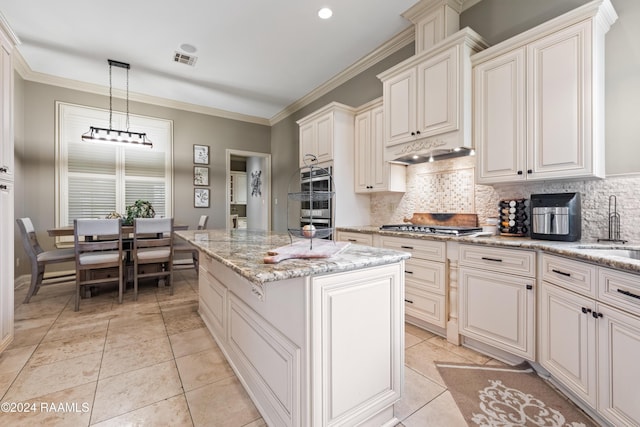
{"points": [[183, 58]]}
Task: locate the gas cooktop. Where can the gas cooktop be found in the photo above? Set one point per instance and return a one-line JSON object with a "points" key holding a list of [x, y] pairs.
{"points": [[432, 229]]}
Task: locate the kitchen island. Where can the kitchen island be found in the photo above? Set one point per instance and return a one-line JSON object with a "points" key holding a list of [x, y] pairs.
{"points": [[316, 342]]}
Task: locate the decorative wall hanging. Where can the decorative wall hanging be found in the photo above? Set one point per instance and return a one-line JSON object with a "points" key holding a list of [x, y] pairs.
{"points": [[201, 197], [256, 183], [200, 175], [201, 154]]}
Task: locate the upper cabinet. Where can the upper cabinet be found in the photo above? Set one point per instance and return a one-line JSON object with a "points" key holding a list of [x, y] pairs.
{"points": [[539, 100], [373, 174], [7, 42], [427, 98], [323, 129], [434, 21]]}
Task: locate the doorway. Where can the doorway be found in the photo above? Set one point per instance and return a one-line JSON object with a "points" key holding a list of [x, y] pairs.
{"points": [[248, 200]]}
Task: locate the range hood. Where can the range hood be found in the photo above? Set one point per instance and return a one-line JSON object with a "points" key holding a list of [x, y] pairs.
{"points": [[435, 155]]}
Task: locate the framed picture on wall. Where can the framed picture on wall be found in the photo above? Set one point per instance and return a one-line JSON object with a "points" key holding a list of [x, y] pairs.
{"points": [[201, 197], [200, 175], [200, 154]]}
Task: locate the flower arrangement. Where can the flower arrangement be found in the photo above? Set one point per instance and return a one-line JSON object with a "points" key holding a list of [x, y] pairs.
{"points": [[139, 209]]}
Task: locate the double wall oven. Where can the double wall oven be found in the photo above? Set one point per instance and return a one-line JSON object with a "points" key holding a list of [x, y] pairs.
{"points": [[320, 212]]}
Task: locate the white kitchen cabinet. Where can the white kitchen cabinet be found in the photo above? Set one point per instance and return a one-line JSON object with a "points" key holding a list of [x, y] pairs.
{"points": [[618, 368], [238, 190], [589, 340], [539, 99], [497, 298], [429, 95], [425, 278], [322, 130], [8, 41], [373, 174], [298, 349], [568, 340], [434, 21]]}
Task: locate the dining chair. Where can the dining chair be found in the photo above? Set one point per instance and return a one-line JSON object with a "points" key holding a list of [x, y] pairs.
{"points": [[99, 254], [39, 258], [181, 247], [152, 244]]}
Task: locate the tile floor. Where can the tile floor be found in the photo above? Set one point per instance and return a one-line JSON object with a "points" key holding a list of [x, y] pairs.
{"points": [[152, 362]]}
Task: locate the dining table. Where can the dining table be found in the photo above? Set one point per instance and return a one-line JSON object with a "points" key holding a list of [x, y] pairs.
{"points": [[127, 237]]}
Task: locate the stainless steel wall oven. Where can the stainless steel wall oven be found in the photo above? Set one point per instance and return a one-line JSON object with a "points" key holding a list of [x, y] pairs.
{"points": [[317, 212]]}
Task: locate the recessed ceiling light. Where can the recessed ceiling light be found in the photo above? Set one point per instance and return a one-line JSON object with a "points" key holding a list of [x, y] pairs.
{"points": [[189, 48], [325, 13]]}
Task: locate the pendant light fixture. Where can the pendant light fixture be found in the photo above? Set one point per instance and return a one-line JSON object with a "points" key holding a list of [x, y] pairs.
{"points": [[96, 134]]}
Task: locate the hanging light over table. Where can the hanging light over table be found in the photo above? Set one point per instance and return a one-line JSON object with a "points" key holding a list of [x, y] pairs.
{"points": [[97, 134]]}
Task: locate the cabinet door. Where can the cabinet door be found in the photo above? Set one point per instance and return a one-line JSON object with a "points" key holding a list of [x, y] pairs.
{"points": [[324, 138], [240, 189], [399, 94], [437, 99], [307, 141], [559, 96], [379, 169], [568, 340], [6, 115], [497, 309], [499, 118], [363, 160], [6, 263], [618, 368]]}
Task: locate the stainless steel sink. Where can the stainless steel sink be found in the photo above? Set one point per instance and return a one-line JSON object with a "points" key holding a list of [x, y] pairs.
{"points": [[611, 252]]}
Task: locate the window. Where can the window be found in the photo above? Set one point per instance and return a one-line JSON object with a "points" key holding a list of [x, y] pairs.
{"points": [[95, 179]]}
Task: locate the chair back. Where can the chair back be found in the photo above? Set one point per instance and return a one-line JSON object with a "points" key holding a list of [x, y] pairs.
{"points": [[150, 236], [93, 235], [202, 224], [29, 239]]}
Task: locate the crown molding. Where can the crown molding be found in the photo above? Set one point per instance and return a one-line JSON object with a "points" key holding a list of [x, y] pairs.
{"points": [[27, 73], [393, 45]]}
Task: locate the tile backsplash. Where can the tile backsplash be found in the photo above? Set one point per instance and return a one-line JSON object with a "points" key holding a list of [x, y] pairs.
{"points": [[449, 186]]}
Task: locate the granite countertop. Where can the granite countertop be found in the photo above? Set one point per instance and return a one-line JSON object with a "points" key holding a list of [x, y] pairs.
{"points": [[243, 251], [578, 250]]}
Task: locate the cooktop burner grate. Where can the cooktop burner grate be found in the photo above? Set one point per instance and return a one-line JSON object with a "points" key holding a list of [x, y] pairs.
{"points": [[431, 229]]}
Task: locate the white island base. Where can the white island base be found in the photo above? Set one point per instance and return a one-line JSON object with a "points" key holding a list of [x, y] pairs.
{"points": [[324, 350]]}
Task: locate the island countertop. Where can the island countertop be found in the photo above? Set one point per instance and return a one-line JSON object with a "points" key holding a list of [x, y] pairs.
{"points": [[243, 251]]}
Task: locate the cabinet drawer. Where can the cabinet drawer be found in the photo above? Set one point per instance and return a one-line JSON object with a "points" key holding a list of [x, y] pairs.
{"points": [[513, 261], [574, 275], [425, 306], [213, 303], [619, 289], [207, 262], [426, 275], [421, 249], [359, 238]]}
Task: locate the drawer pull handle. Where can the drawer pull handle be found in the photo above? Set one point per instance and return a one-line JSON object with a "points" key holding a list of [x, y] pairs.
{"points": [[406, 247], [351, 240], [586, 310], [409, 301], [561, 272], [595, 314], [627, 293], [408, 272], [491, 259]]}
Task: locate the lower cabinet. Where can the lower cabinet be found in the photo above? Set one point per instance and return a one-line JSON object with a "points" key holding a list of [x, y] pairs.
{"points": [[497, 298], [425, 278], [588, 346], [311, 351]]}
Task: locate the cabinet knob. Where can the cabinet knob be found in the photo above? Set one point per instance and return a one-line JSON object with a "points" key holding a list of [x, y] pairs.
{"points": [[586, 310], [595, 314], [3, 187], [413, 133], [418, 132], [3, 169], [529, 170], [519, 172], [529, 287]]}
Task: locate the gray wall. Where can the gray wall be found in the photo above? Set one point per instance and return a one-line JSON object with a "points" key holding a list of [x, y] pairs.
{"points": [[35, 155]]}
